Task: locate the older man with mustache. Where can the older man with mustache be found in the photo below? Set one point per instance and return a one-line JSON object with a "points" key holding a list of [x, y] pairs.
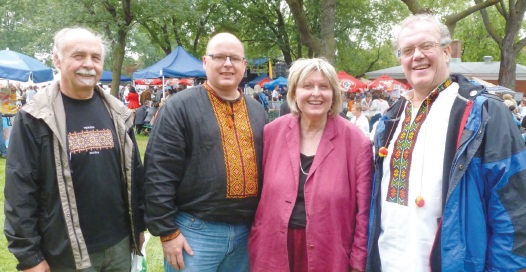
{"points": [[73, 172]]}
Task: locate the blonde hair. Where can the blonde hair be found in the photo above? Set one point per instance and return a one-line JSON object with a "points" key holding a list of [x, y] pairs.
{"points": [[357, 106], [300, 70], [507, 96]]}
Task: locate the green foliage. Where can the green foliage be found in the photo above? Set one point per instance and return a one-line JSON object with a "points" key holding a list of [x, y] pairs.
{"points": [[266, 27], [364, 33], [476, 42]]}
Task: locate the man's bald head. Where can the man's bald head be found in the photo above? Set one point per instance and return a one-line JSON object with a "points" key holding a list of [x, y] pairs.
{"points": [[223, 37]]}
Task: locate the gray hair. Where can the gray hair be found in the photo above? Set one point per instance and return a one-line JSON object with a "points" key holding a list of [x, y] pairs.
{"points": [[66, 33], [445, 36], [300, 70]]}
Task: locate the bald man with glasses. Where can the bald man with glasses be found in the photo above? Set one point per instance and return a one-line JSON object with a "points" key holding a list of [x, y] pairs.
{"points": [[203, 167]]}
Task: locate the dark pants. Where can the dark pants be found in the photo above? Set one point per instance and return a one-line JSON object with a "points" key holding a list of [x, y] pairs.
{"points": [[138, 128], [115, 258]]}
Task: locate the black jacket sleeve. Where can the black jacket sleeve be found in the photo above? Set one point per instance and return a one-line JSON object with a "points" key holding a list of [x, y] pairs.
{"points": [[164, 169], [22, 190]]}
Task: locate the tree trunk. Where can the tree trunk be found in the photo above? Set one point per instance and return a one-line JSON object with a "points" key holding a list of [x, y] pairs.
{"points": [[118, 58], [509, 47], [328, 22], [508, 66], [323, 45]]}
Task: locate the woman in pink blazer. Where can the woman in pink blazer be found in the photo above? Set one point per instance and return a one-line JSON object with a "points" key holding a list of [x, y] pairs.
{"points": [[317, 176]]}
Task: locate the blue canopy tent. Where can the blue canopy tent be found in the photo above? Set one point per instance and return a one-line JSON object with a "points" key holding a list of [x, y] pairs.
{"points": [[107, 77], [280, 81], [20, 67], [256, 80], [179, 64]]}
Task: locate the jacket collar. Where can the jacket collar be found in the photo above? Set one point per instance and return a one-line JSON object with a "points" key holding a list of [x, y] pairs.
{"points": [[48, 106]]}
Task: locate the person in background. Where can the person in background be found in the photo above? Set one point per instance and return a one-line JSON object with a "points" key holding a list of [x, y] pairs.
{"points": [[145, 96], [314, 208], [73, 186], [371, 108], [350, 102], [161, 104], [384, 105], [30, 92], [3, 149], [284, 107], [132, 98], [140, 116], [375, 110], [450, 168], [509, 101], [203, 167], [514, 113], [170, 92], [262, 97], [275, 93], [522, 108], [108, 89], [150, 114], [359, 119], [345, 105]]}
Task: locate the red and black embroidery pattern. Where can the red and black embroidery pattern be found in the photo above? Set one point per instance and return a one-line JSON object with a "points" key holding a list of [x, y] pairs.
{"points": [[401, 159], [238, 145], [90, 140]]}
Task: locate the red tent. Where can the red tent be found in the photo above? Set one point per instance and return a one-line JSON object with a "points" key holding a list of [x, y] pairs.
{"points": [[263, 81], [151, 81], [386, 83], [185, 81], [350, 84]]}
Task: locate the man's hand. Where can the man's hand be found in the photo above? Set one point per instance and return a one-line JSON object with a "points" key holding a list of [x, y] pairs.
{"points": [[41, 267], [173, 251]]}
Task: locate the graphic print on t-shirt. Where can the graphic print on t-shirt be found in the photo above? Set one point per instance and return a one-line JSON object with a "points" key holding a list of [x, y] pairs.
{"points": [[90, 140]]}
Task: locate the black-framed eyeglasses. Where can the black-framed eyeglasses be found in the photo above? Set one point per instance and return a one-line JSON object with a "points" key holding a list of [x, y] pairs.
{"points": [[425, 47], [222, 58]]}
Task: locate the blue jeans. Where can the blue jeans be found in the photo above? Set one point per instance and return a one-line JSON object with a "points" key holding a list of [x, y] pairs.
{"points": [[3, 150], [217, 246]]}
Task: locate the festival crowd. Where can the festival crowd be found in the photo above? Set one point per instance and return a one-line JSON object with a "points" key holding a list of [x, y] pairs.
{"points": [[431, 180]]}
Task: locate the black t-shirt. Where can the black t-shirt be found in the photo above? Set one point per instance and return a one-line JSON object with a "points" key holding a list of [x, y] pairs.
{"points": [[93, 150], [298, 219]]}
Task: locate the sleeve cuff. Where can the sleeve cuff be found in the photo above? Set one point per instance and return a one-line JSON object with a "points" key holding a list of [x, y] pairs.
{"points": [[30, 261]]}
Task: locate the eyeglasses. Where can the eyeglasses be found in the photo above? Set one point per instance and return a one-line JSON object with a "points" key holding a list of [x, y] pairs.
{"points": [[222, 58], [425, 47]]}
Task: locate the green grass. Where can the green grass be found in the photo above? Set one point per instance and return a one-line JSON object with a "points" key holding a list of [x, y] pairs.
{"points": [[7, 260], [154, 252]]}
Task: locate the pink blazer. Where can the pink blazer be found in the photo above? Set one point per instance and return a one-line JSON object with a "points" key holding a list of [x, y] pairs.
{"points": [[337, 197]]}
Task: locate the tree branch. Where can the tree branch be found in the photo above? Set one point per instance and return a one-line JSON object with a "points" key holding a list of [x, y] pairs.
{"points": [[413, 6], [489, 27], [306, 37]]}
